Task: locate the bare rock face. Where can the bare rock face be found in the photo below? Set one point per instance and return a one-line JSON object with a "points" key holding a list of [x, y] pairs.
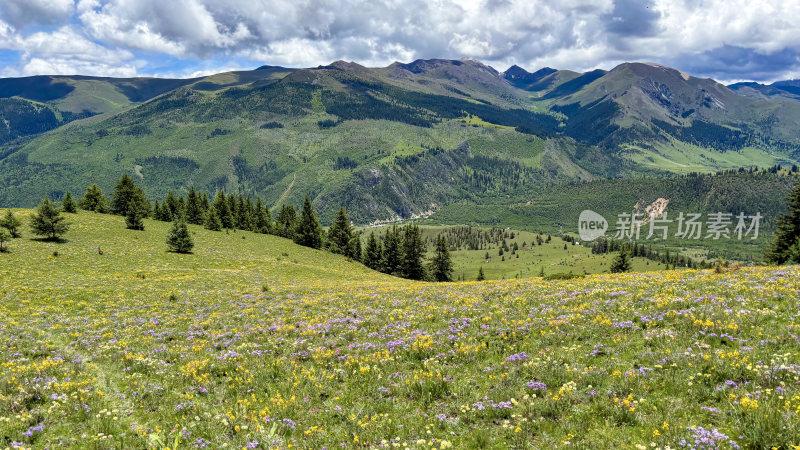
{"points": [[655, 209], [371, 177]]}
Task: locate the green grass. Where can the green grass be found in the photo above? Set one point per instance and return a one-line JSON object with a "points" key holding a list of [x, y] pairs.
{"points": [[682, 158], [259, 342], [550, 257]]}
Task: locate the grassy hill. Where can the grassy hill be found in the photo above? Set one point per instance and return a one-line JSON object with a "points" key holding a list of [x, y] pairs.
{"points": [[256, 342], [235, 259]]}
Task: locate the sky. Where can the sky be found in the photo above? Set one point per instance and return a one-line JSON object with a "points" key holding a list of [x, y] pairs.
{"points": [[728, 40]]}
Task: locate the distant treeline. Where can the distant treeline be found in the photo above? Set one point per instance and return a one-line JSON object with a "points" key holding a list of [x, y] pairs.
{"points": [[604, 245]]}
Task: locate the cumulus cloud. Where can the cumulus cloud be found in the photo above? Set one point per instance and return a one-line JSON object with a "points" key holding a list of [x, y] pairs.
{"points": [[21, 13], [726, 39]]}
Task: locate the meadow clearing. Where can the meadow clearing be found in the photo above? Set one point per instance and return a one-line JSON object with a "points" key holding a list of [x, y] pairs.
{"points": [[254, 342]]}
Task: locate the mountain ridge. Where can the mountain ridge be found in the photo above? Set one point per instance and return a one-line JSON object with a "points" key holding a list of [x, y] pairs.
{"points": [[364, 137]]}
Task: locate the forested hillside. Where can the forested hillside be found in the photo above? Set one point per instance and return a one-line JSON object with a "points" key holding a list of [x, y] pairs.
{"points": [[387, 143]]}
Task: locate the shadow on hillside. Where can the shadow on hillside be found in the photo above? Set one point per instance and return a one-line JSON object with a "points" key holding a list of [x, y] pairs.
{"points": [[51, 240]]}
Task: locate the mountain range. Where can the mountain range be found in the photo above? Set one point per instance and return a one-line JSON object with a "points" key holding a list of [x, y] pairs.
{"points": [[386, 143]]}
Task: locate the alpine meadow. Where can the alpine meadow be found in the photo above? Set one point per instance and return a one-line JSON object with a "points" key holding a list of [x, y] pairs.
{"points": [[213, 237]]}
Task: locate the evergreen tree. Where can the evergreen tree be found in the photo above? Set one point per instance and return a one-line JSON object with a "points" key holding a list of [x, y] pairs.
{"points": [[203, 204], [122, 195], [5, 236], [622, 262], [481, 277], [787, 234], [251, 212], [309, 231], [243, 218], [94, 200], [172, 208], [11, 223], [340, 236], [263, 218], [233, 207], [133, 220], [157, 213], [212, 221], [223, 210], [48, 222], [138, 208], [373, 254], [286, 222], [68, 204], [179, 240], [392, 251], [354, 249], [411, 265], [794, 253], [441, 264], [194, 212]]}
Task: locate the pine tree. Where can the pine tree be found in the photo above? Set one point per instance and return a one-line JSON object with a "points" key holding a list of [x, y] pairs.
{"points": [[794, 253], [212, 221], [133, 220], [309, 231], [787, 234], [11, 223], [179, 240], [622, 262], [94, 200], [172, 207], [5, 236], [263, 218], [123, 193], [243, 218], [411, 265], [157, 213], [373, 254], [233, 207], [128, 195], [48, 222], [203, 204], [223, 210], [286, 222], [68, 204], [251, 212], [194, 213], [340, 235], [481, 277], [354, 249], [441, 264], [137, 209], [392, 251]]}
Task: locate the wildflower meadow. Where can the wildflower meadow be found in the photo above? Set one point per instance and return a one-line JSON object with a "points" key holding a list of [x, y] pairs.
{"points": [[108, 341]]}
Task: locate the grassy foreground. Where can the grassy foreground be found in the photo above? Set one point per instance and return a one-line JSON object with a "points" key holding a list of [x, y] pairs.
{"points": [[258, 343]]}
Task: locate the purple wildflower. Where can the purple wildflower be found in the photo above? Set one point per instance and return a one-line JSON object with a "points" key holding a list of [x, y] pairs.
{"points": [[517, 357], [536, 386]]}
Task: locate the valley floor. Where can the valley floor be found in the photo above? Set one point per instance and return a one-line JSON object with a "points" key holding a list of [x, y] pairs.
{"points": [[255, 342]]}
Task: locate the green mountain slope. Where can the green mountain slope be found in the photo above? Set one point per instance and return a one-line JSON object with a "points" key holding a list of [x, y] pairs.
{"points": [[391, 142]]}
